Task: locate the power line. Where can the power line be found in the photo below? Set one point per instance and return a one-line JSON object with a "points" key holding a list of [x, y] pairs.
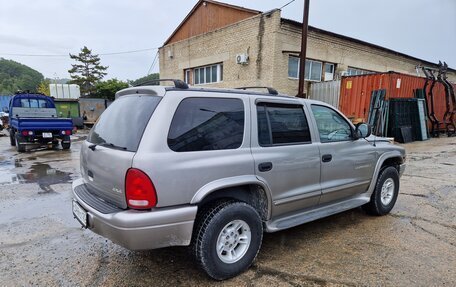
{"points": [[287, 4], [153, 64], [66, 55]]}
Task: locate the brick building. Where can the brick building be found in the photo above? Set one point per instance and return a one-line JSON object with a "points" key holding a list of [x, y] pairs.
{"points": [[222, 45]]}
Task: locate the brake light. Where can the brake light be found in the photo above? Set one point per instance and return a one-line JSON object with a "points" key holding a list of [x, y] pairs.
{"points": [[139, 190], [66, 133], [27, 133]]}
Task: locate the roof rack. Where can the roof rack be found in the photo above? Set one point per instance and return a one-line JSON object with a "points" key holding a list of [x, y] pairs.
{"points": [[178, 84], [271, 91]]}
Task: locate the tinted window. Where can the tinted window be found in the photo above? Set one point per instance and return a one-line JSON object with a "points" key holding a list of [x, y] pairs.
{"points": [[331, 125], [207, 124], [124, 121], [282, 124], [32, 103], [42, 103], [25, 103]]}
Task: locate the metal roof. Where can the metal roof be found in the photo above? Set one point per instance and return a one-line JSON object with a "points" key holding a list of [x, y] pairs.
{"points": [[354, 40]]}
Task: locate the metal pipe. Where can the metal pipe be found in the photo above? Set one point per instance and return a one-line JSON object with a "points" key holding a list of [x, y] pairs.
{"points": [[302, 59]]}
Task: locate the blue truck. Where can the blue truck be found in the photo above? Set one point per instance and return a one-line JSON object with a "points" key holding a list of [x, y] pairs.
{"points": [[33, 121]]}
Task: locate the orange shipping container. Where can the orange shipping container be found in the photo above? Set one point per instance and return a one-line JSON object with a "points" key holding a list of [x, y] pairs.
{"points": [[356, 91]]}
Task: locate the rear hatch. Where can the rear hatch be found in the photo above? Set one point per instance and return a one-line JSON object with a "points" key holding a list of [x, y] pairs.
{"points": [[108, 152]]}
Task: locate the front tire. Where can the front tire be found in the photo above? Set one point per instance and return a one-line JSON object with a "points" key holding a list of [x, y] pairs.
{"points": [[385, 194], [227, 239]]}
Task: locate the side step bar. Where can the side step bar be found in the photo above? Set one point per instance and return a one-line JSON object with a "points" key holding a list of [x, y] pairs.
{"points": [[312, 215]]}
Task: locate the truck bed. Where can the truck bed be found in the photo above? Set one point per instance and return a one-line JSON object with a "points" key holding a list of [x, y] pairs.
{"points": [[46, 124]]}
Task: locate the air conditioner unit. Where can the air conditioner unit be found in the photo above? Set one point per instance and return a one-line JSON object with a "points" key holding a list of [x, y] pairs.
{"points": [[242, 59]]}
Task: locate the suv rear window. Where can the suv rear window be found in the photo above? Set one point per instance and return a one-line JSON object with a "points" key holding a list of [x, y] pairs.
{"points": [[123, 123], [207, 124]]}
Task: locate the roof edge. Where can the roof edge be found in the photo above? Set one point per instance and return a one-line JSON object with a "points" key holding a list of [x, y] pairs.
{"points": [[209, 1], [361, 42]]}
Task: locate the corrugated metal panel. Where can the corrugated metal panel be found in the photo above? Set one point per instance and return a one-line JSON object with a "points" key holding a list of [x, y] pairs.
{"points": [[356, 92], [91, 109], [327, 92], [4, 102], [65, 91], [208, 16], [67, 108]]}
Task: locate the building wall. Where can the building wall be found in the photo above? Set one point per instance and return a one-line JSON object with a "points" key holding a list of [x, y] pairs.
{"points": [[268, 42], [253, 36], [343, 53]]}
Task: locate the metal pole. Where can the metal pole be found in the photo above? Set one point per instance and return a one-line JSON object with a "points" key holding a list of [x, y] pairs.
{"points": [[302, 59]]}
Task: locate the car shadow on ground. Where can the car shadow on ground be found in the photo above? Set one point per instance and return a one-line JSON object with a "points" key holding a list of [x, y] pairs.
{"points": [[176, 266]]}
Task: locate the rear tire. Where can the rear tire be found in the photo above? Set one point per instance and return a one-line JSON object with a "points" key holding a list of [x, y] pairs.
{"points": [[20, 146], [227, 239], [67, 143], [12, 138], [385, 194]]}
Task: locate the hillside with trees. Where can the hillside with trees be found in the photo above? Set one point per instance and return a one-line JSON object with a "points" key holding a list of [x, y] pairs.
{"points": [[147, 78], [15, 76]]}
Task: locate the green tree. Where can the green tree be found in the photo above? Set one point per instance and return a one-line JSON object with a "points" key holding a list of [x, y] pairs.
{"points": [[107, 89], [15, 76], [154, 76], [87, 71], [43, 87]]}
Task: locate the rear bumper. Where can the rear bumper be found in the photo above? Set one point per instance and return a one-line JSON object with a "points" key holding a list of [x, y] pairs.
{"points": [[141, 230]]}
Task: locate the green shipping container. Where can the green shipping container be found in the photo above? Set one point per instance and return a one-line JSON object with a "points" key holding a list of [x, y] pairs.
{"points": [[67, 108]]}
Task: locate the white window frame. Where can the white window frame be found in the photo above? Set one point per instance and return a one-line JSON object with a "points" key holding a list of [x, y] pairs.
{"points": [[187, 76], [205, 81], [358, 71], [310, 69], [332, 71]]}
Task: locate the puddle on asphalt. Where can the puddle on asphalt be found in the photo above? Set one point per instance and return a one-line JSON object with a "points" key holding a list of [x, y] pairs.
{"points": [[79, 139], [6, 176], [39, 173]]}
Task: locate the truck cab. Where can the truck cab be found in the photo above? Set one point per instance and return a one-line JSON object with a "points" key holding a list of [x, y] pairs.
{"points": [[33, 121]]}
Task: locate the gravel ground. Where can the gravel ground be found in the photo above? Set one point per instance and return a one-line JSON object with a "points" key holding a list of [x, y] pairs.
{"points": [[41, 244]]}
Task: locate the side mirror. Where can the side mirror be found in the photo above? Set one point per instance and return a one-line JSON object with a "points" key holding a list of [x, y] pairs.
{"points": [[363, 130]]}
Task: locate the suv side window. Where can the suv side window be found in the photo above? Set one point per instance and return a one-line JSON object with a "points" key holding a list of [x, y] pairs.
{"points": [[280, 124], [332, 127], [207, 124]]}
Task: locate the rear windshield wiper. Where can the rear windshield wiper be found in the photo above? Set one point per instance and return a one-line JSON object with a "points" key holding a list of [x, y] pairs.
{"points": [[111, 145]]}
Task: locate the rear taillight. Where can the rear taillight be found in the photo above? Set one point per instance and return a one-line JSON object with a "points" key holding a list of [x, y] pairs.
{"points": [[27, 133], [139, 190], [66, 133]]}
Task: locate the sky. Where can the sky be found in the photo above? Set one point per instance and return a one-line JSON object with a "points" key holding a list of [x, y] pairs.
{"points": [[421, 28]]}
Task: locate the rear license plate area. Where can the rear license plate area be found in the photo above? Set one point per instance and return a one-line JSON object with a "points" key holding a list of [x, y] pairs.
{"points": [[80, 214]]}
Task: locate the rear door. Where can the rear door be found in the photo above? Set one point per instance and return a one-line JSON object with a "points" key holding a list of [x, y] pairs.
{"points": [[347, 164], [284, 155], [108, 152]]}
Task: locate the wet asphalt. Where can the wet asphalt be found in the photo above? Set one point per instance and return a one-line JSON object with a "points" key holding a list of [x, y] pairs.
{"points": [[42, 245]]}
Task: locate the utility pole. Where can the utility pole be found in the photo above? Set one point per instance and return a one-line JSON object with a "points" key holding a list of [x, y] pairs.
{"points": [[302, 58]]}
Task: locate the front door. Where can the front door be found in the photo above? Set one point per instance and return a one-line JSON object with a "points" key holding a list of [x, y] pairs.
{"points": [[347, 164], [284, 155]]}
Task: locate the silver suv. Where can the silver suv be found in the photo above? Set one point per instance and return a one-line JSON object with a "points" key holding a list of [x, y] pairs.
{"points": [[215, 168]]}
